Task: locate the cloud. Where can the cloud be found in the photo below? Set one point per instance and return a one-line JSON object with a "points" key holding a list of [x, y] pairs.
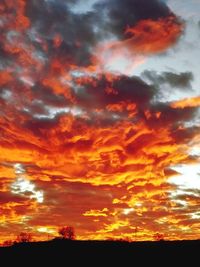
{"points": [[96, 213], [119, 15], [187, 102], [174, 80], [150, 36], [99, 93]]}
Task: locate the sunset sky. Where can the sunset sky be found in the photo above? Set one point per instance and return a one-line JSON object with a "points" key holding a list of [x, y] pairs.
{"points": [[100, 118]]}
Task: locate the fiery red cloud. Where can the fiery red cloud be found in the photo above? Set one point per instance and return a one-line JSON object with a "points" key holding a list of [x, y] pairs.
{"points": [[81, 146], [150, 36]]}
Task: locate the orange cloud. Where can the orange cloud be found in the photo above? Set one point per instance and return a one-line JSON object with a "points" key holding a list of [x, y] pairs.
{"points": [[153, 36], [5, 77], [96, 213], [145, 38], [15, 21], [187, 102]]}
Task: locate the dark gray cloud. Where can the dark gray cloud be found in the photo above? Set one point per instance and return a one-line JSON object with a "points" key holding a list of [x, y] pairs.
{"points": [[128, 12], [179, 80], [81, 32], [170, 116], [32, 52], [76, 30], [123, 88]]}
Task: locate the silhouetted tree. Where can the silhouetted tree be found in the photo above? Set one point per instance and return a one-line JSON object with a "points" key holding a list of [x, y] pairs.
{"points": [[158, 237], [67, 232], [7, 243], [24, 237]]}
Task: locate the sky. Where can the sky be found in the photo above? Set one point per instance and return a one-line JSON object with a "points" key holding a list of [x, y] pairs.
{"points": [[100, 118]]}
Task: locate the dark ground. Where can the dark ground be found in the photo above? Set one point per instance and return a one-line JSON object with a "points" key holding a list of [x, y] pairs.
{"points": [[66, 252]]}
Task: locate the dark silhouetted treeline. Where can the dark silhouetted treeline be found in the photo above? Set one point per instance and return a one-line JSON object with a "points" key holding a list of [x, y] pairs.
{"points": [[136, 253]]}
